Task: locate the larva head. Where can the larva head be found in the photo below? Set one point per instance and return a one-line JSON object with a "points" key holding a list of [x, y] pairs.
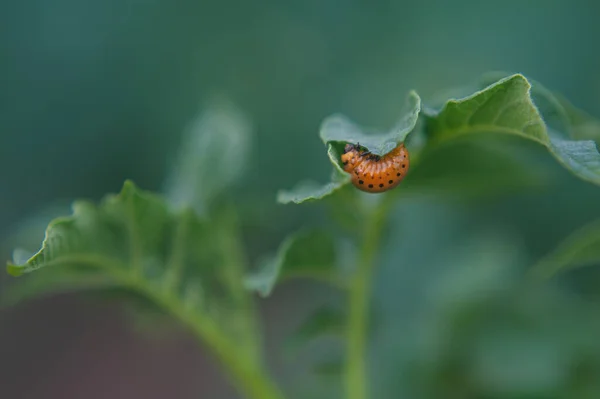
{"points": [[356, 148], [350, 156], [349, 147]]}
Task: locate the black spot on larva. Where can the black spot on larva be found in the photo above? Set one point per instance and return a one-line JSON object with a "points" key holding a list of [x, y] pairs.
{"points": [[360, 182], [398, 174], [370, 186], [356, 172], [404, 166], [381, 185], [346, 163], [391, 181]]}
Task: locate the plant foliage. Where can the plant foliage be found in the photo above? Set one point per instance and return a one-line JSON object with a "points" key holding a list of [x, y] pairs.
{"points": [[181, 250]]}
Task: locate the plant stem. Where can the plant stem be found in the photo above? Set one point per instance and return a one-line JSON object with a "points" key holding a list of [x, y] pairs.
{"points": [[360, 290], [251, 379]]}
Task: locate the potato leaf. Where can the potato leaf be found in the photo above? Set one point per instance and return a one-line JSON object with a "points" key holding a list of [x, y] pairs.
{"points": [[309, 191], [134, 242], [562, 118], [336, 131], [307, 254], [506, 107]]}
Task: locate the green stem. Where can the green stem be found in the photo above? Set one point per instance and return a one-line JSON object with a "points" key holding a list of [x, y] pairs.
{"points": [[360, 290], [251, 379], [231, 248]]}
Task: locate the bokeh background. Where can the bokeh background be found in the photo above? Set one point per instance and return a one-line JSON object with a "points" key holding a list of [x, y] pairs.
{"points": [[95, 92]]}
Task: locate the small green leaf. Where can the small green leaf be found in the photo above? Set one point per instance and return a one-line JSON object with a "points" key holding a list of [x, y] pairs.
{"points": [[309, 191], [506, 107], [302, 255], [213, 156], [581, 248], [553, 113], [336, 131], [562, 118]]}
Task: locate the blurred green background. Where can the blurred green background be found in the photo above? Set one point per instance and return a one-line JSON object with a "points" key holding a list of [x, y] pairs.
{"points": [[95, 92]]}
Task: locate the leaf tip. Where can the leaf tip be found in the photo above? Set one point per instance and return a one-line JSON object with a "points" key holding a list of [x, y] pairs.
{"points": [[128, 186], [284, 197], [256, 283], [414, 100], [13, 270], [515, 76]]}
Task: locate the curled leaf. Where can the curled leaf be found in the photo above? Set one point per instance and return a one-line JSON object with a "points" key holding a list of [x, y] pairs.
{"points": [[339, 130], [336, 131]]}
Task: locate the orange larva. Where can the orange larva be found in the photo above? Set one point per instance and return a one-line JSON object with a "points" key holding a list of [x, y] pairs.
{"points": [[374, 173]]}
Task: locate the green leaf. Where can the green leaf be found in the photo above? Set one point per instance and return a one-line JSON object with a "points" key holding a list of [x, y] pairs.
{"points": [[506, 107], [336, 131], [547, 103], [562, 118], [134, 242], [213, 157], [479, 167], [110, 236], [308, 191], [188, 267], [302, 255], [581, 248]]}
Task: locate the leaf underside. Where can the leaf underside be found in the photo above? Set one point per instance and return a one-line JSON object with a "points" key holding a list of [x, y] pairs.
{"points": [[336, 131], [339, 129]]}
